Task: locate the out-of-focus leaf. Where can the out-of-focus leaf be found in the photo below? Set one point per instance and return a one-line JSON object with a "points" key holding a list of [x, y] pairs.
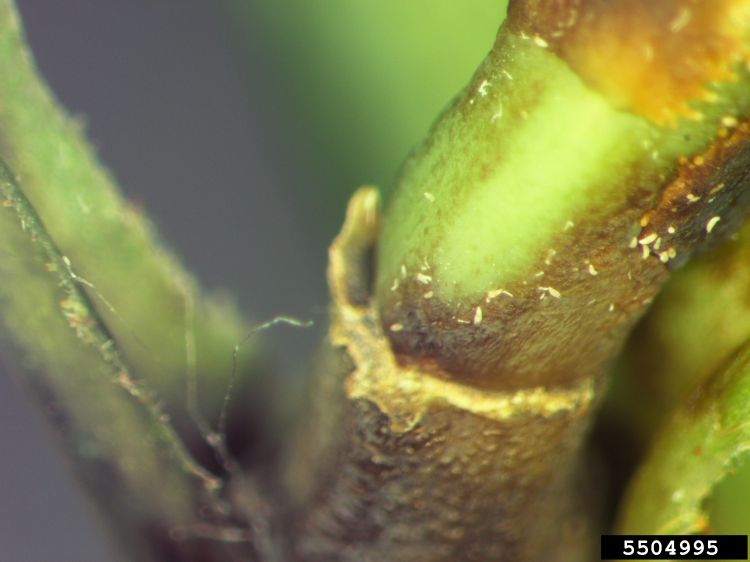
{"points": [[704, 441], [729, 505], [126, 453], [701, 317], [165, 327]]}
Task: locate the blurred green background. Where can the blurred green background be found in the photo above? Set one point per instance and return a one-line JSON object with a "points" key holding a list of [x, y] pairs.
{"points": [[366, 79]]}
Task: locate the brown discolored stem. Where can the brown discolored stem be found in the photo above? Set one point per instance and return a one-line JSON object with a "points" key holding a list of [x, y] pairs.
{"points": [[398, 465]]}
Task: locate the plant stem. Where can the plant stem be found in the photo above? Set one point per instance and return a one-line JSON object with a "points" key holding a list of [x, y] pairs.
{"points": [[524, 239], [121, 443], [396, 465]]}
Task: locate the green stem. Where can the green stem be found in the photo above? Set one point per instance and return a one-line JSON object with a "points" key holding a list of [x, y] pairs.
{"points": [[122, 445], [166, 328]]}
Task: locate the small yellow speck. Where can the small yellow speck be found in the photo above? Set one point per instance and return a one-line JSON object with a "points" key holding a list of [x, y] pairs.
{"points": [[644, 221], [397, 327], [671, 229], [672, 253], [633, 242], [612, 307], [729, 121], [496, 293], [709, 96], [540, 42], [592, 269], [403, 271], [645, 252], [664, 257], [429, 196], [8, 203], [395, 284], [539, 274], [657, 243], [699, 160], [692, 198], [712, 223], [369, 205], [648, 52], [681, 20], [424, 279], [568, 225], [551, 291], [646, 240], [478, 316], [429, 294]]}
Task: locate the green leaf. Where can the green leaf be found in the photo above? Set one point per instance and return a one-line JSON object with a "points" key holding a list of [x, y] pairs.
{"points": [[698, 321], [706, 438], [727, 508], [166, 329], [125, 451]]}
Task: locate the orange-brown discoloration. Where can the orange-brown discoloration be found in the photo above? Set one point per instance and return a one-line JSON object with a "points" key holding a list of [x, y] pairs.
{"points": [[705, 187], [532, 338], [390, 455], [655, 58], [527, 336]]}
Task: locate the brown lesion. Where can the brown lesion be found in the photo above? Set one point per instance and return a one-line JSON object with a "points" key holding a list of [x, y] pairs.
{"points": [[705, 201], [401, 465], [564, 319], [652, 57], [551, 330]]}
